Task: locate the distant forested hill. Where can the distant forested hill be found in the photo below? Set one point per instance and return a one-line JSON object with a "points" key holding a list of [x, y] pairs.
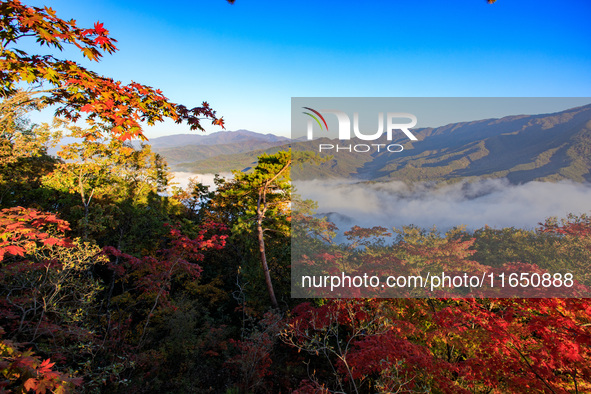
{"points": [[520, 148], [180, 149]]}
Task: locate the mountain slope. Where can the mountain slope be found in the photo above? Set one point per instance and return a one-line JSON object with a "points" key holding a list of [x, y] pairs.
{"points": [[182, 155], [186, 148], [521, 148], [217, 138], [228, 162]]}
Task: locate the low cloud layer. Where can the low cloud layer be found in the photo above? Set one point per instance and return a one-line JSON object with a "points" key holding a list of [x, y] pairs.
{"points": [[181, 179], [492, 202]]}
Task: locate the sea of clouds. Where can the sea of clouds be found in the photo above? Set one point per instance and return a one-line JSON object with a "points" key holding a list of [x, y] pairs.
{"points": [[181, 179], [492, 202]]}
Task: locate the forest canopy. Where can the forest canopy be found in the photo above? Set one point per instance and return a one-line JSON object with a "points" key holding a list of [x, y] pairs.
{"points": [[114, 279]]}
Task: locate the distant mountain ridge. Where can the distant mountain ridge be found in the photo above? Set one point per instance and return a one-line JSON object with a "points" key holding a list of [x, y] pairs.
{"points": [[181, 155], [217, 138], [521, 148], [179, 149]]}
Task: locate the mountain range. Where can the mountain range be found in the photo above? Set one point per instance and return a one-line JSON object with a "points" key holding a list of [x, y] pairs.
{"points": [[180, 149], [521, 148], [218, 138]]}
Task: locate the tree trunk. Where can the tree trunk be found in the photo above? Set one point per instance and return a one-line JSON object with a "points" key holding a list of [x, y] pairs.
{"points": [[261, 210], [84, 202], [260, 215]]}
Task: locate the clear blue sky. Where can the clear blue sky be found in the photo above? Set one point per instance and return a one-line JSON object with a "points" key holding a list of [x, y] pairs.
{"points": [[250, 58]]}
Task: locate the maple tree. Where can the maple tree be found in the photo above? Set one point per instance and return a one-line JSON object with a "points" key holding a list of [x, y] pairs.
{"points": [[254, 350], [444, 345], [451, 346], [46, 294], [23, 371], [53, 297], [74, 89], [153, 276], [23, 228]]}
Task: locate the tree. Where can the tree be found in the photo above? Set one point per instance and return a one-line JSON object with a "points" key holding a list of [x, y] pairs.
{"points": [[24, 371], [101, 183], [451, 346], [257, 203], [23, 152], [270, 178], [74, 89]]}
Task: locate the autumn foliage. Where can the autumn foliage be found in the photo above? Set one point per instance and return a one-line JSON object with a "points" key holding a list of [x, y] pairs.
{"points": [[25, 229], [23, 371], [113, 279], [76, 90], [452, 346]]}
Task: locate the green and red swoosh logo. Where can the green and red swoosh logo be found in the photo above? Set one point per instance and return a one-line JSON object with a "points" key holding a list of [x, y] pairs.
{"points": [[315, 118]]}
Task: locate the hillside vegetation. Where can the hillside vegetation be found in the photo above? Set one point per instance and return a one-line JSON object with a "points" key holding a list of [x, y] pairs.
{"points": [[547, 147], [112, 281]]}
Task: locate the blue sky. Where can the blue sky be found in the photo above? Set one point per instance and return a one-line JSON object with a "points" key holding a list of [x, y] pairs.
{"points": [[248, 59]]}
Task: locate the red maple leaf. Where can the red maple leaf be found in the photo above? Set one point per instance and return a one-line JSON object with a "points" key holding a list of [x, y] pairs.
{"points": [[99, 29]]}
